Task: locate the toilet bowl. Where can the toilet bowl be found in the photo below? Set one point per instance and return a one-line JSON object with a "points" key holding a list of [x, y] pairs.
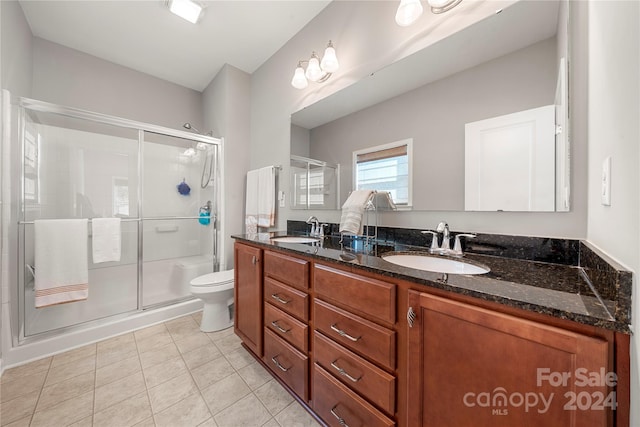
{"points": [[216, 291]]}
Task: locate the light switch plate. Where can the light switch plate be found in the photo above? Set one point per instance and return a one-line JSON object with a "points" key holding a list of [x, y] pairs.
{"points": [[606, 182]]}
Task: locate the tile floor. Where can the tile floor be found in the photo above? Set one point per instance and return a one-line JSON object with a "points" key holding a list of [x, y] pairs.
{"points": [[170, 374]]}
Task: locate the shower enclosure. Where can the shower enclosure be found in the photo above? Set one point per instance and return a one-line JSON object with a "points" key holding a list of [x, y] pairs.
{"points": [[163, 184]]}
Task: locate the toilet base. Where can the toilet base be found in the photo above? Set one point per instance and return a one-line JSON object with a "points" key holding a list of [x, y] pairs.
{"points": [[216, 317]]}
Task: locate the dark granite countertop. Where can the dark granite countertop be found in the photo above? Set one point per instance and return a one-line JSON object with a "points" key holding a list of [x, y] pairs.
{"points": [[559, 290]]}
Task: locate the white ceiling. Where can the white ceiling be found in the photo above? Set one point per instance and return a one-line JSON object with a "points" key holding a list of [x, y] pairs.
{"points": [[145, 36]]}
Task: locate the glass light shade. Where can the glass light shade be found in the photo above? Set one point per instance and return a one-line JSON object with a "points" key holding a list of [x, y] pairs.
{"points": [[329, 61], [186, 9], [408, 12], [299, 81], [314, 73]]}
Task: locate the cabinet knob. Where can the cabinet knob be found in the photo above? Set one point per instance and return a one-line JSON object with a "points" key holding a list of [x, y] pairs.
{"points": [[278, 327], [344, 334], [280, 300], [411, 317], [343, 372], [254, 260], [341, 420], [274, 359]]}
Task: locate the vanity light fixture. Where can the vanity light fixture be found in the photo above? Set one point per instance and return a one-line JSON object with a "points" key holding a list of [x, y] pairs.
{"points": [[410, 10], [317, 70], [186, 9], [441, 6]]}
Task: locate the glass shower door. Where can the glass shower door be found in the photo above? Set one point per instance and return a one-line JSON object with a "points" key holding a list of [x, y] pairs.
{"points": [[74, 169], [178, 215]]}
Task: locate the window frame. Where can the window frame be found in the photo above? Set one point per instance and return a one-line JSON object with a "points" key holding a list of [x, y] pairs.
{"points": [[409, 143]]}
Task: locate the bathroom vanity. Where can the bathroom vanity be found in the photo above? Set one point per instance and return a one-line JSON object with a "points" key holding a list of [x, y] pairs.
{"points": [[361, 341]]}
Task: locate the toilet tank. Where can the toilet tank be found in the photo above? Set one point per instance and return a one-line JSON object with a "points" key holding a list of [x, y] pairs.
{"points": [[187, 269]]}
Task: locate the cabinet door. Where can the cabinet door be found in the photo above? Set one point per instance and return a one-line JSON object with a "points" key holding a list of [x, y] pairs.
{"points": [[472, 366], [248, 296]]}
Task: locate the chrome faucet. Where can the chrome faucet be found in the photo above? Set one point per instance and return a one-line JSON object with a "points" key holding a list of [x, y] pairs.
{"points": [[315, 225], [445, 247], [317, 229]]}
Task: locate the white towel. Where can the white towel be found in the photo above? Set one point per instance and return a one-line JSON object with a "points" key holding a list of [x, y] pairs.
{"points": [[251, 204], [106, 241], [62, 272], [353, 210], [266, 197]]}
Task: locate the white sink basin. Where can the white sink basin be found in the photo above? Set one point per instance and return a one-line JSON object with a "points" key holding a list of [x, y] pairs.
{"points": [[295, 239], [435, 264]]}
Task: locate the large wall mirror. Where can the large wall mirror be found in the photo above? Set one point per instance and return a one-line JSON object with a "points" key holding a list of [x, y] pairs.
{"points": [[488, 120]]}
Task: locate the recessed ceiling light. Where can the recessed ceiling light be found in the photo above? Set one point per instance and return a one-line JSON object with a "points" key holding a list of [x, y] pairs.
{"points": [[186, 9]]}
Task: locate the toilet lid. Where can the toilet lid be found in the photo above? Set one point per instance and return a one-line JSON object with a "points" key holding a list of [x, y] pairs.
{"points": [[214, 279]]}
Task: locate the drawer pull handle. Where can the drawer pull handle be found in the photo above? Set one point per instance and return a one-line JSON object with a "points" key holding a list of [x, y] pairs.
{"points": [[275, 362], [344, 334], [343, 372], [341, 420], [278, 327], [280, 300]]}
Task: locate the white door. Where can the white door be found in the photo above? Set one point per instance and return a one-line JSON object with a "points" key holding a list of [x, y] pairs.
{"points": [[510, 162]]}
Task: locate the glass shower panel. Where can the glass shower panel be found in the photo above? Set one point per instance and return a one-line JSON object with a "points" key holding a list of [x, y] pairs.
{"points": [[179, 212], [79, 169], [113, 288]]}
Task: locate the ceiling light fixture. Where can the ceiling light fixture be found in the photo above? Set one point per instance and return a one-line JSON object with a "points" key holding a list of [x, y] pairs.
{"points": [[317, 70], [410, 10], [186, 9]]}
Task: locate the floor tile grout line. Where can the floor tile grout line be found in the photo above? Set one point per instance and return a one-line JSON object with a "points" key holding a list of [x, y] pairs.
{"points": [[146, 389], [33, 413]]}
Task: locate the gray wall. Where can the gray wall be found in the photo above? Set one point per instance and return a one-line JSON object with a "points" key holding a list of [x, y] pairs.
{"points": [[16, 49], [72, 78], [614, 130], [226, 110], [434, 116], [300, 141]]}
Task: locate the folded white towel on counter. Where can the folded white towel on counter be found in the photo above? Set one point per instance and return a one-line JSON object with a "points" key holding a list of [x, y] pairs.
{"points": [[353, 210], [266, 197], [106, 240], [251, 203], [61, 261]]}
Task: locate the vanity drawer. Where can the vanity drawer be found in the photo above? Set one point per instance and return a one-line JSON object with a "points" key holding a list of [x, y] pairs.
{"points": [[286, 298], [338, 406], [371, 297], [371, 382], [287, 363], [289, 270], [287, 327], [366, 338]]}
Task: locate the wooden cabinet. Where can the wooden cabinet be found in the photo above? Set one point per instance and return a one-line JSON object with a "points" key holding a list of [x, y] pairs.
{"points": [[471, 366], [354, 348], [286, 316], [339, 340], [248, 296]]}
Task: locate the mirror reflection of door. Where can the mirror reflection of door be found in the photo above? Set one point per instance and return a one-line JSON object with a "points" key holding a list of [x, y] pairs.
{"points": [[510, 162]]}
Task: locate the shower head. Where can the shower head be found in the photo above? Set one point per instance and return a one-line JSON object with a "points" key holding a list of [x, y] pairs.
{"points": [[188, 126]]}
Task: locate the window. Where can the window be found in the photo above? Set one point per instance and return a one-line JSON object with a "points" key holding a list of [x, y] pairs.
{"points": [[120, 188], [385, 168]]}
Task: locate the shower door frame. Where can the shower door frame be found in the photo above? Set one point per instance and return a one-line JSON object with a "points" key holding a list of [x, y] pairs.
{"points": [[18, 223]]}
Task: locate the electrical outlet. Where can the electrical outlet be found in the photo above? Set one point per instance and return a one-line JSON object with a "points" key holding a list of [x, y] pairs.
{"points": [[606, 182]]}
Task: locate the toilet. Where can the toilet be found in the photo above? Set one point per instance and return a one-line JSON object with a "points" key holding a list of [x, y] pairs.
{"points": [[216, 291]]}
